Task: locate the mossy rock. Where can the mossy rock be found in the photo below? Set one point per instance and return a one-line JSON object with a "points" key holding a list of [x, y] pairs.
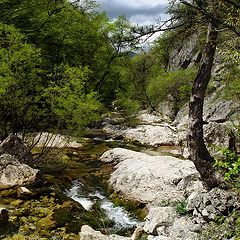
{"points": [[8, 193], [224, 227], [62, 216], [133, 206], [46, 223]]}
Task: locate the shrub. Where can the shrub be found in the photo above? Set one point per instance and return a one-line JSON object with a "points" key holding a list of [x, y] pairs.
{"points": [[175, 86], [230, 165], [181, 208]]}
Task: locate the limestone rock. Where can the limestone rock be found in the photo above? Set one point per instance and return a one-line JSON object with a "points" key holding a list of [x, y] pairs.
{"points": [[218, 111], [185, 54], [51, 140], [215, 202], [14, 146], [153, 135], [13, 173], [181, 120], [23, 191], [159, 217], [117, 155], [191, 184], [151, 237], [137, 233], [149, 178], [166, 110], [87, 233], [184, 228], [147, 118], [165, 222]]}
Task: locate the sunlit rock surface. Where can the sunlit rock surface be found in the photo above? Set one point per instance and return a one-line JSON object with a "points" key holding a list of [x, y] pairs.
{"points": [[13, 173], [147, 178], [53, 140]]}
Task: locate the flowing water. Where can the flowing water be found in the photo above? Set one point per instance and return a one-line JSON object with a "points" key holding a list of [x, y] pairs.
{"points": [[120, 218], [73, 191], [88, 186]]}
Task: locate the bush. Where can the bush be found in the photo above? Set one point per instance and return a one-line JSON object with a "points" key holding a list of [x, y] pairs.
{"points": [[230, 165], [175, 86], [181, 208]]}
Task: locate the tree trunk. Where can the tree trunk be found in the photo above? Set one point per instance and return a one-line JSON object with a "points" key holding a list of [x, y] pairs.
{"points": [[197, 149]]}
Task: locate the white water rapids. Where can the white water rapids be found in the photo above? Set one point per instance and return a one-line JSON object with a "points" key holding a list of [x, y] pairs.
{"points": [[118, 215]]}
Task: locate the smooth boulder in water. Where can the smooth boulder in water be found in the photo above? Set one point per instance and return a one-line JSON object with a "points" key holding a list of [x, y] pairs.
{"points": [[147, 179]]}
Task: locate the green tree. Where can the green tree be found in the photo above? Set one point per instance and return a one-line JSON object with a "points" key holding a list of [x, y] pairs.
{"points": [[174, 86], [72, 108], [20, 85], [216, 15], [31, 103]]}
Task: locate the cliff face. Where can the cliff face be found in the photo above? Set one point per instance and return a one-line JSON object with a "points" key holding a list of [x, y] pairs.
{"points": [[185, 54], [188, 53], [221, 116]]}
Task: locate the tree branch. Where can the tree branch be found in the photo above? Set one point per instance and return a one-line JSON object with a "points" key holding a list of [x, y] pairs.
{"points": [[212, 17], [233, 3]]}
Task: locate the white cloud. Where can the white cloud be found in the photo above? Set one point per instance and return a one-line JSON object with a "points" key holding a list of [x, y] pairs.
{"points": [[138, 11]]}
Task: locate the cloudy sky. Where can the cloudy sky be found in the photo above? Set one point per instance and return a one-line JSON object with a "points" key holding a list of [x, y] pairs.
{"points": [[141, 12]]}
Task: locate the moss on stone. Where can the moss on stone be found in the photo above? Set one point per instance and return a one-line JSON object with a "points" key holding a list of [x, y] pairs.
{"points": [[224, 227], [130, 205]]}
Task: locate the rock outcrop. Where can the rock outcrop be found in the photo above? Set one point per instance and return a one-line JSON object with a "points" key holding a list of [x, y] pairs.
{"points": [[217, 202], [220, 119], [159, 219], [52, 140], [14, 173], [161, 182], [14, 146], [185, 54], [152, 135], [147, 178], [178, 205]]}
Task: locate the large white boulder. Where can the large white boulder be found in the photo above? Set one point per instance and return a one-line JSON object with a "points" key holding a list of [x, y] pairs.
{"points": [[52, 140], [117, 155], [147, 178], [13, 173], [153, 135]]}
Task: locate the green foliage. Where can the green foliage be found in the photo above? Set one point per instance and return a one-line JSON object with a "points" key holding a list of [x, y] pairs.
{"points": [[29, 100], [127, 105], [230, 165], [72, 107], [57, 62], [181, 208], [20, 84], [175, 86]]}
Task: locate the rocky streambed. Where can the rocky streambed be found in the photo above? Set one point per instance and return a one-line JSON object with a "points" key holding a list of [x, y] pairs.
{"points": [[70, 190], [107, 188]]}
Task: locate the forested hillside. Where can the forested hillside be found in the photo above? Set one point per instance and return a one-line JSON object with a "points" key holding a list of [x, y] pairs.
{"points": [[68, 70], [59, 64], [63, 64]]}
